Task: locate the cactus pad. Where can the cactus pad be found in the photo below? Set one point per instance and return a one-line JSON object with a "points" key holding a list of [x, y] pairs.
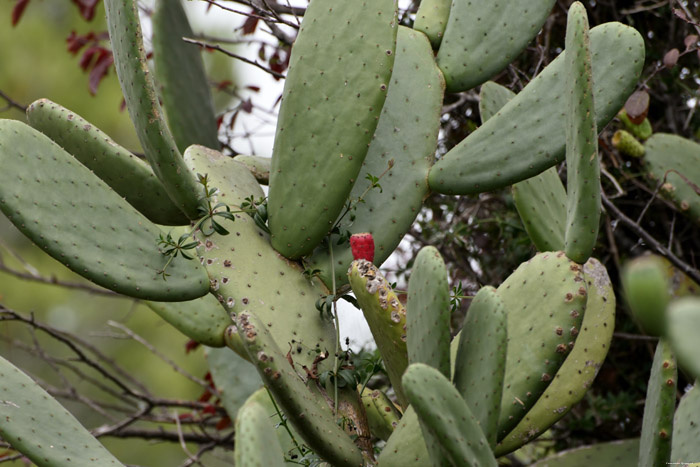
{"points": [[428, 312], [480, 362], [258, 166], [126, 174], [683, 321], [145, 111], [431, 19], [179, 70], [36, 425], [646, 289], [581, 366], [686, 428], [483, 36], [76, 218], [545, 299], [667, 158], [386, 317], [617, 453], [334, 92], [403, 135], [528, 134], [256, 442]]}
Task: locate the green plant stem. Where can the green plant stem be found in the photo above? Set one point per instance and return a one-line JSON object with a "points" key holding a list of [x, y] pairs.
{"points": [[283, 422], [337, 332]]}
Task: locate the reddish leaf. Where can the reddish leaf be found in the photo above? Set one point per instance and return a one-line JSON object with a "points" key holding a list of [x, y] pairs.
{"points": [[690, 41], [250, 24], [219, 121], [206, 395], [122, 106], [253, 88], [191, 345], [220, 86], [671, 58], [247, 106], [261, 52], [681, 14], [637, 106], [224, 423], [209, 410], [87, 8], [185, 416], [100, 70], [17, 11]]}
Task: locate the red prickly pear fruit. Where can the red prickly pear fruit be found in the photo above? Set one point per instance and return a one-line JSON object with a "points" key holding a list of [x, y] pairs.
{"points": [[362, 246]]}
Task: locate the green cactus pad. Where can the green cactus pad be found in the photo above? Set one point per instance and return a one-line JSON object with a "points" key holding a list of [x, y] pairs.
{"points": [[382, 415], [446, 416], [627, 144], [235, 378], [256, 442], [659, 406], [482, 37], [431, 19], [480, 361], [642, 131], [406, 446], [686, 428], [407, 137], [202, 320], [683, 322], [247, 274], [545, 299], [582, 166], [540, 201], [492, 98], [308, 413], [581, 366], [428, 312], [145, 111], [36, 425], [258, 166], [671, 156], [386, 317], [338, 76], [528, 135], [76, 218], [184, 87], [646, 289], [128, 175], [615, 453]]}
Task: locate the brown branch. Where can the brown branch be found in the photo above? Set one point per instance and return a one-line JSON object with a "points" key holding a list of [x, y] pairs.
{"points": [[233, 55], [649, 239], [11, 103]]}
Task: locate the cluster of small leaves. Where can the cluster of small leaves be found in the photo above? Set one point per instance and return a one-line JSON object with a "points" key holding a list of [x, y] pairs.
{"points": [[208, 224], [97, 58], [324, 305], [355, 369], [257, 209], [172, 248]]}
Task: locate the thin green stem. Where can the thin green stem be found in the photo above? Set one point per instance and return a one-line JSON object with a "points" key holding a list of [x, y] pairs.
{"points": [[283, 422]]}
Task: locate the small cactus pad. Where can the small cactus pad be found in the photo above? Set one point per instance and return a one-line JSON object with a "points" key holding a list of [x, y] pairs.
{"points": [[406, 446], [36, 425], [683, 323], [428, 312], [259, 166], [686, 428], [179, 70], [528, 134], [660, 404], [235, 378], [145, 111], [431, 19], [541, 204], [581, 366], [202, 319], [126, 174], [386, 317], [641, 131], [446, 416], [582, 166], [308, 413], [545, 299], [480, 362], [247, 274], [382, 415], [492, 98], [337, 82], [627, 144], [646, 289], [483, 36], [407, 139], [615, 453], [256, 442], [362, 246], [76, 218], [671, 158]]}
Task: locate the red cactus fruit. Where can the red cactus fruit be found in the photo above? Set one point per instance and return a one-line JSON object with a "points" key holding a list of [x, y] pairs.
{"points": [[362, 246]]}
